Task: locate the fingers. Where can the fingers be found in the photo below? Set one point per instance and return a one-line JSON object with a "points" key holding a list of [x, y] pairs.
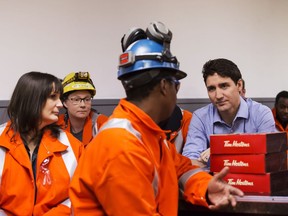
{"points": [[236, 191], [232, 200], [225, 196], [221, 193], [231, 196], [227, 200], [222, 173], [232, 190]]}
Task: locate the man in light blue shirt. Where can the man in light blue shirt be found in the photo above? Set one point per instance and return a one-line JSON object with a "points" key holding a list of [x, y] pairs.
{"points": [[228, 112]]}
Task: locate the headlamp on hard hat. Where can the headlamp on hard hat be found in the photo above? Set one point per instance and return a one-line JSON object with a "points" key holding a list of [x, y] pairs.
{"points": [[79, 76], [128, 58], [76, 81]]}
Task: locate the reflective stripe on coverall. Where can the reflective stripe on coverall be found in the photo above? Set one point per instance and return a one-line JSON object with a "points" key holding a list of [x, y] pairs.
{"points": [[179, 137], [125, 124], [130, 169]]}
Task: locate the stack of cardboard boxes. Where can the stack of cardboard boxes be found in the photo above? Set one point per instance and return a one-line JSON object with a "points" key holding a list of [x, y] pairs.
{"points": [[257, 162]]}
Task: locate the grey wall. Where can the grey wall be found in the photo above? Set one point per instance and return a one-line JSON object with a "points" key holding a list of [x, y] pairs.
{"points": [[106, 106]]}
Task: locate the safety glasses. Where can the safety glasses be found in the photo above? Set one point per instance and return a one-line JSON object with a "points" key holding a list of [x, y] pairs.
{"points": [[174, 81]]}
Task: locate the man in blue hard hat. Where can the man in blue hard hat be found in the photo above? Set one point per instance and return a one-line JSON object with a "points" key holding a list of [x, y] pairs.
{"points": [[130, 168]]}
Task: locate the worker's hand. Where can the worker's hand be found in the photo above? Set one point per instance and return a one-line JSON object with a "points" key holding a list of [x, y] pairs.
{"points": [[220, 193], [204, 156]]}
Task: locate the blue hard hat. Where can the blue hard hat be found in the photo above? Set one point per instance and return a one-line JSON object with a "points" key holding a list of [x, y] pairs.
{"points": [[146, 54]]}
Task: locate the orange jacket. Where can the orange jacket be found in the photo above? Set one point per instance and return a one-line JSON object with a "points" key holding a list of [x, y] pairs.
{"points": [[130, 169], [178, 138], [278, 125], [18, 195], [91, 127]]}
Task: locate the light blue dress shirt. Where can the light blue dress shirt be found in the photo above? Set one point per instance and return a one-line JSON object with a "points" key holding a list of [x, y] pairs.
{"points": [[252, 117]]}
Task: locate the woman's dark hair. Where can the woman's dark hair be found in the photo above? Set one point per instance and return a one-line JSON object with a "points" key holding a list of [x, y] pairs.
{"points": [[28, 100], [223, 67]]}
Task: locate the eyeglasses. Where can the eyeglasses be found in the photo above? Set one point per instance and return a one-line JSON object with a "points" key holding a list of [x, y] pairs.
{"points": [[174, 81], [78, 100]]}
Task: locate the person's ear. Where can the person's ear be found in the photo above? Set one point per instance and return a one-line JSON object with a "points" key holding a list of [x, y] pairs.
{"points": [[163, 85], [64, 104], [239, 84]]}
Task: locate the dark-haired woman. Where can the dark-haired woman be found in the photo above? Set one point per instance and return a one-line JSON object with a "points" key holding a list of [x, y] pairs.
{"points": [[37, 158]]}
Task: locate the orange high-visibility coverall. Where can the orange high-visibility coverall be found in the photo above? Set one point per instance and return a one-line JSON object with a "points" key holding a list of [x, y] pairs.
{"points": [[18, 194], [91, 127], [278, 125], [130, 169], [179, 137]]}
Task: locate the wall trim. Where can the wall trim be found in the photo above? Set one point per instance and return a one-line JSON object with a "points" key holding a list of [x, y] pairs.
{"points": [[106, 106]]}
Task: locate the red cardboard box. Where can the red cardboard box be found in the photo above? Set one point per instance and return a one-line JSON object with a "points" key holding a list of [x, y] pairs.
{"points": [[249, 163], [270, 184], [260, 143]]}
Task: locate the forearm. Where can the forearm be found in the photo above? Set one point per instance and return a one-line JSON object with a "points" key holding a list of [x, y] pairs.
{"points": [[194, 146], [196, 140]]}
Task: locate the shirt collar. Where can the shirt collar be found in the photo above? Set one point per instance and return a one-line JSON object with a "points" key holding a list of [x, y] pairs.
{"points": [[242, 112]]}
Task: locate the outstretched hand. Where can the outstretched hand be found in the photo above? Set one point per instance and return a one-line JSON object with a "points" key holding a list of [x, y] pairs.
{"points": [[220, 193]]}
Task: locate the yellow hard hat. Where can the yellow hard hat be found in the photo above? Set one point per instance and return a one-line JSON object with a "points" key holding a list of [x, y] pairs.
{"points": [[78, 81]]}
